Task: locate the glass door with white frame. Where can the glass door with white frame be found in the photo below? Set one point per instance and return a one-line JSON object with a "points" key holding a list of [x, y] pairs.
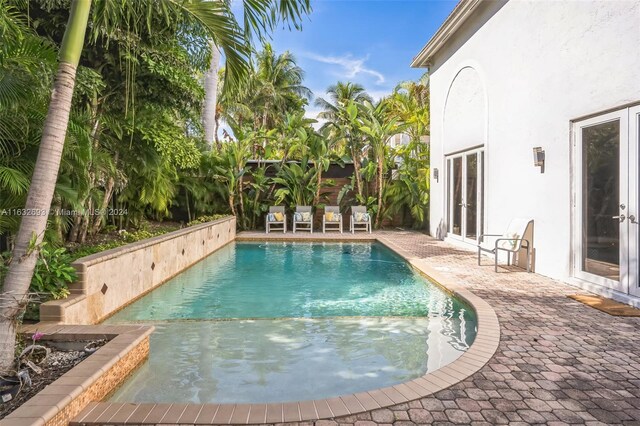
{"points": [[605, 250], [634, 201], [465, 195]]}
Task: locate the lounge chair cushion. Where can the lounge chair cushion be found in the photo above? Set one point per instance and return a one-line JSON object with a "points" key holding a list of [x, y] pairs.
{"points": [[279, 217], [271, 217], [507, 244], [303, 217], [362, 217], [332, 217]]}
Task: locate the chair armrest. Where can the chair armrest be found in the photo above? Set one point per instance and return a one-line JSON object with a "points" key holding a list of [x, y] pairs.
{"points": [[509, 239], [480, 238]]}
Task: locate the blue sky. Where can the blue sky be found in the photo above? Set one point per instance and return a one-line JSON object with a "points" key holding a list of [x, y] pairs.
{"points": [[371, 42]]}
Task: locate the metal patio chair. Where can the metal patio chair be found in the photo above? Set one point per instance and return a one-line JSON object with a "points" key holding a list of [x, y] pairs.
{"points": [[271, 219], [510, 242], [303, 216], [331, 224], [360, 219]]}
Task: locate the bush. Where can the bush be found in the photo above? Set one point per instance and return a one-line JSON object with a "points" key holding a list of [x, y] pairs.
{"points": [[53, 273], [51, 278], [204, 219], [124, 238]]}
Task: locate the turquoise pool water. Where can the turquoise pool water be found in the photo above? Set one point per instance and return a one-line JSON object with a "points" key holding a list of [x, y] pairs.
{"points": [[271, 322]]}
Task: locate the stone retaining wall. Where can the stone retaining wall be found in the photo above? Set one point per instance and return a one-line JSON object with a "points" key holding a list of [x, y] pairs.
{"points": [[112, 279]]}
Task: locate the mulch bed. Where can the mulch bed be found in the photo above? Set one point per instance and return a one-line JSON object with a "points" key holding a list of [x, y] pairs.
{"points": [[57, 363]]}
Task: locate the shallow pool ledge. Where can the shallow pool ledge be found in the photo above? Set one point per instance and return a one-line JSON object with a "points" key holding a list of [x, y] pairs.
{"points": [[481, 351], [110, 280]]}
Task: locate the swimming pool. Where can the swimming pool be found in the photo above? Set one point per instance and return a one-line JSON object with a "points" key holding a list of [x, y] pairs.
{"points": [[274, 322]]}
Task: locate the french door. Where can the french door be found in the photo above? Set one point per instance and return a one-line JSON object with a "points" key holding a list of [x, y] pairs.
{"points": [[606, 203], [465, 195]]}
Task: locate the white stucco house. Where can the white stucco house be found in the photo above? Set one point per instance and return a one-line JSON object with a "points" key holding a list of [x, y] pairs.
{"points": [[562, 76]]}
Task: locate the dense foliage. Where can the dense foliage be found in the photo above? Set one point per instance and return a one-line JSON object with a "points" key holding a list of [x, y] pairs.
{"points": [[135, 148]]}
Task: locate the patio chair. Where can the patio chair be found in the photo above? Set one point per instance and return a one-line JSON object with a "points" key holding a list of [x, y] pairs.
{"points": [[303, 216], [510, 242], [360, 219], [331, 218], [278, 217]]}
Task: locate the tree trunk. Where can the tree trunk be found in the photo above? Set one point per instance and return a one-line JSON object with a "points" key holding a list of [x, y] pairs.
{"points": [[108, 191], [25, 254], [380, 180], [211, 97], [86, 221], [316, 197], [232, 204], [75, 228], [356, 169], [32, 227], [241, 201]]}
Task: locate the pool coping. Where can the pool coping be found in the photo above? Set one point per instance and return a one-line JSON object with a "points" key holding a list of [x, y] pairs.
{"points": [[479, 353]]}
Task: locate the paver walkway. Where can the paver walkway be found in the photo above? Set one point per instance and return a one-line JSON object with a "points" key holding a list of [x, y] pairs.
{"points": [[559, 361]]}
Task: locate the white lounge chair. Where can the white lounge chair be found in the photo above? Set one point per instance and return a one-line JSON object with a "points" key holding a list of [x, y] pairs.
{"points": [[303, 216], [334, 213], [510, 242], [271, 219], [360, 219]]}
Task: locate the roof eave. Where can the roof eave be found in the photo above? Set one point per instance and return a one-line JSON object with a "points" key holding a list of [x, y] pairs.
{"points": [[456, 18]]}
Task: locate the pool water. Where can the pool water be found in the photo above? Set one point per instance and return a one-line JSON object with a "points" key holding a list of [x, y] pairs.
{"points": [[275, 322]]}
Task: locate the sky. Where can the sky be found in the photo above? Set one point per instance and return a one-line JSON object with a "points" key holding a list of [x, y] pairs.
{"points": [[370, 42]]}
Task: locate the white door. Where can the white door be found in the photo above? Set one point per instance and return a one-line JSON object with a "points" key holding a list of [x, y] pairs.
{"points": [[606, 245], [465, 198], [634, 201]]}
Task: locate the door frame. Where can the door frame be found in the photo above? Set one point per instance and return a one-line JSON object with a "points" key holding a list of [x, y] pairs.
{"points": [[622, 116], [634, 201], [480, 188]]}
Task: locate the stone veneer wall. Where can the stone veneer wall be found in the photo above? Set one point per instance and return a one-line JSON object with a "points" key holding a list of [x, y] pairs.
{"points": [[110, 280], [103, 386]]}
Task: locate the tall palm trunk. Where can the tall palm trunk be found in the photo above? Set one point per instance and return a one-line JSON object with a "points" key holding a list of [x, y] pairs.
{"points": [[316, 197], [380, 183], [211, 97], [25, 253], [356, 169]]}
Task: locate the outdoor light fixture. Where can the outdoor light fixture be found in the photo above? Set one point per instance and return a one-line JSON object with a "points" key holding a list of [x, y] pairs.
{"points": [[538, 158], [435, 174]]}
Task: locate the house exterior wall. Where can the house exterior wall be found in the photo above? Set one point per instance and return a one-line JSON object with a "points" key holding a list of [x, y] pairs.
{"points": [[513, 78]]}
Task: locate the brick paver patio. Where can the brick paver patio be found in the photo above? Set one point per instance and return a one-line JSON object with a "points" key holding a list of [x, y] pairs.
{"points": [[559, 361]]}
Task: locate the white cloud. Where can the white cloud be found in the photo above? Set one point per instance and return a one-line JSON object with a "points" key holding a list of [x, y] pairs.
{"points": [[312, 112], [350, 66]]}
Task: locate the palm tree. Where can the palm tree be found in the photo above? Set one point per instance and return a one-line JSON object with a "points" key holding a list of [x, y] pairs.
{"points": [[277, 86], [259, 18], [379, 126], [214, 18], [410, 103], [341, 115], [211, 97]]}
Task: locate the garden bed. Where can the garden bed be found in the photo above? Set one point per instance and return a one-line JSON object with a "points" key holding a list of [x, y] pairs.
{"points": [[78, 380], [62, 358]]}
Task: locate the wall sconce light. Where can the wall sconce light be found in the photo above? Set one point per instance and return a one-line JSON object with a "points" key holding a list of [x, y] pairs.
{"points": [[435, 174], [538, 158]]}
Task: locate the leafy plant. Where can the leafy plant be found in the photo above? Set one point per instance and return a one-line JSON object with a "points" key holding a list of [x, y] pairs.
{"points": [[53, 272], [205, 219]]}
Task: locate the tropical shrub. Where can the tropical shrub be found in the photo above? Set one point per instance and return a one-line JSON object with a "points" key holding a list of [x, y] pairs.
{"points": [[205, 219], [53, 272]]}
